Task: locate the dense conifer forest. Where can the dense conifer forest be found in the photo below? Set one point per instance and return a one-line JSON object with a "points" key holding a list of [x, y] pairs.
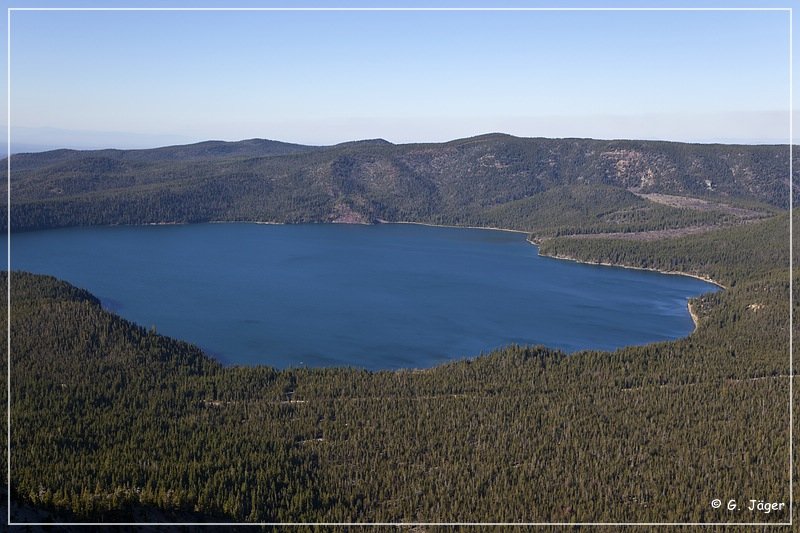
{"points": [[109, 418], [114, 422]]}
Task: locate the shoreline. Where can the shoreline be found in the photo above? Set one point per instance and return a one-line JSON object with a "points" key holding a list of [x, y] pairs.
{"points": [[381, 221], [376, 223], [695, 318], [602, 263], [537, 244], [244, 222]]}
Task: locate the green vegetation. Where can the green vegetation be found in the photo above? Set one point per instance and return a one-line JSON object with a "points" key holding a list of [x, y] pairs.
{"points": [[109, 418], [729, 255], [113, 422], [548, 186], [593, 209]]}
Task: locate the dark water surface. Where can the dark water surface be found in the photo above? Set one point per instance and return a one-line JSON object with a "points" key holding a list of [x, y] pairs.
{"points": [[377, 297]]}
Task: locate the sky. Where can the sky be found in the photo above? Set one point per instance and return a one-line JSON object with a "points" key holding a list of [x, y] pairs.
{"points": [[90, 79]]}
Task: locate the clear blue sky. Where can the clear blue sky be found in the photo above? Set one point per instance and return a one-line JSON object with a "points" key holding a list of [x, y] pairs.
{"points": [[147, 78]]}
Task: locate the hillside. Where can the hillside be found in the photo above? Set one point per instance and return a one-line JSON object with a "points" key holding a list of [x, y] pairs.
{"points": [[545, 186], [109, 418]]}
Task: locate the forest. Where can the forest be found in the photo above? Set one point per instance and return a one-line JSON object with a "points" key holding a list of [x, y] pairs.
{"points": [[112, 422]]}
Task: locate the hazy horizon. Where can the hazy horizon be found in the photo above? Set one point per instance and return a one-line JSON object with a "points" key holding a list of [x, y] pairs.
{"points": [[87, 79], [83, 140]]}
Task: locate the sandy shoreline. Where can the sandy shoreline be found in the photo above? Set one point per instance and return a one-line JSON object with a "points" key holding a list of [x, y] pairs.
{"points": [[694, 316]]}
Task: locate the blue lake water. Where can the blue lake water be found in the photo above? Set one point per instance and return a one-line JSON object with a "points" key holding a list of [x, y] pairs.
{"points": [[377, 297]]}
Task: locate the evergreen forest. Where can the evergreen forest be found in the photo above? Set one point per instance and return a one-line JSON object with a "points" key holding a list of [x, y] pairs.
{"points": [[112, 422]]}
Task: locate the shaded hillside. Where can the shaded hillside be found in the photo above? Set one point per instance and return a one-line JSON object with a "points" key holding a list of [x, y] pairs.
{"points": [[109, 417], [491, 179]]}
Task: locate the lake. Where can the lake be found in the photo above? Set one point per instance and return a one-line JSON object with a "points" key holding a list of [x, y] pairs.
{"points": [[377, 297]]}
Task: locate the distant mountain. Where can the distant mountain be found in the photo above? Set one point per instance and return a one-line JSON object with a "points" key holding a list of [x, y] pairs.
{"points": [[40, 139], [185, 152], [540, 185]]}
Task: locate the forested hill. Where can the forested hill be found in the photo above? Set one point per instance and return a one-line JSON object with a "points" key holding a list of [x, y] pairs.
{"points": [[540, 185]]}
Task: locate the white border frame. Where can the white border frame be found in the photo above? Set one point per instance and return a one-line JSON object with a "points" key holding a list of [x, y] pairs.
{"points": [[390, 9]]}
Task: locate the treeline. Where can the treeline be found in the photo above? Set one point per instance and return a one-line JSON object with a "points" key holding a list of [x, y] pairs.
{"points": [[108, 418], [727, 255], [564, 210]]}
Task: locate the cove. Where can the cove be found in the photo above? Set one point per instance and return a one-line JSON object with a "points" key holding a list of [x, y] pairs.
{"points": [[376, 297]]}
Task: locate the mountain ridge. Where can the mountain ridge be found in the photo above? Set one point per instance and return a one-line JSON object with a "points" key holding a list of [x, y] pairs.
{"points": [[470, 181]]}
